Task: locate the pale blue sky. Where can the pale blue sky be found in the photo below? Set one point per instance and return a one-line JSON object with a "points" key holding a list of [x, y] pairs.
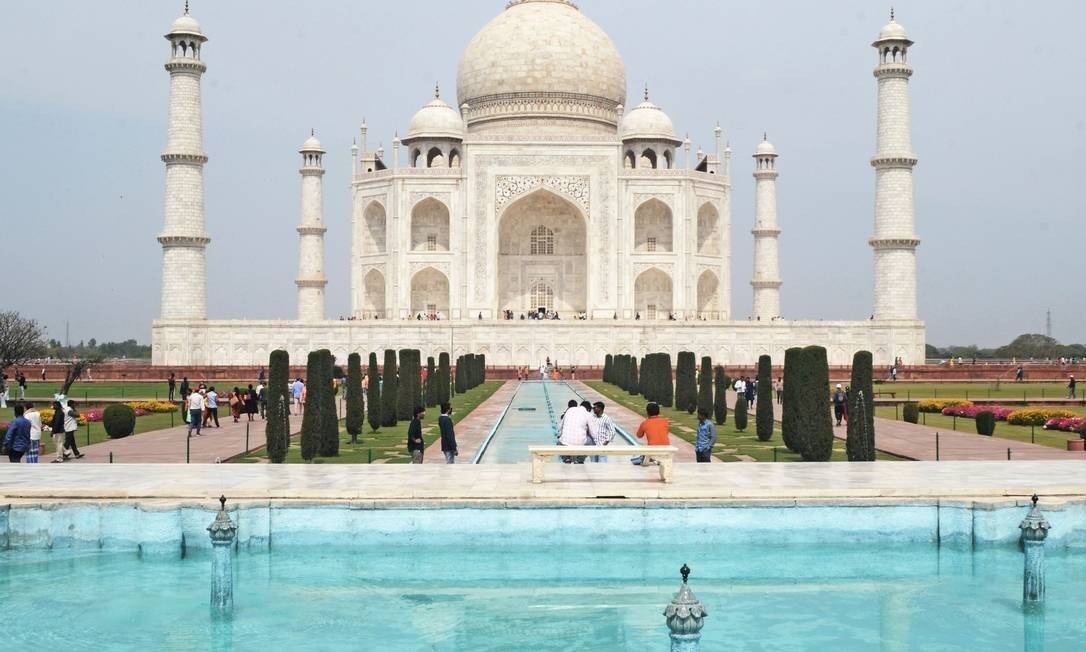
{"points": [[999, 126]]}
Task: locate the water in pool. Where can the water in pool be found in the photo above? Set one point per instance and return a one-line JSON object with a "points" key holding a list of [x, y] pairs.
{"points": [[516, 597]]}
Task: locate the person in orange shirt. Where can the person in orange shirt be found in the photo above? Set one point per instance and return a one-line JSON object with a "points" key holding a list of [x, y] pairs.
{"points": [[654, 429]]}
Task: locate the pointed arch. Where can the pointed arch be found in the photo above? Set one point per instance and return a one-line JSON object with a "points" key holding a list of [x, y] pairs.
{"points": [[454, 158], [653, 294], [372, 234], [629, 161], [708, 295], [430, 293], [708, 230], [648, 158], [430, 226], [435, 158], [653, 227], [373, 295]]}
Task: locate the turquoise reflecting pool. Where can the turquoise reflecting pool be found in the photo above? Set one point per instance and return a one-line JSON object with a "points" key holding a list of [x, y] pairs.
{"points": [[500, 595]]}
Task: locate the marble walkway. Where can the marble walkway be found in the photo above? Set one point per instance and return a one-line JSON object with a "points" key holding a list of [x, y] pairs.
{"points": [[472, 429]]}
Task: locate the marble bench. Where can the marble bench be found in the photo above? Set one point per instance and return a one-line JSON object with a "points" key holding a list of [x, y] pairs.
{"points": [[663, 455]]}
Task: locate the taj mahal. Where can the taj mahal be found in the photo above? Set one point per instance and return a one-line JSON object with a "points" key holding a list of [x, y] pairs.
{"points": [[539, 211]]}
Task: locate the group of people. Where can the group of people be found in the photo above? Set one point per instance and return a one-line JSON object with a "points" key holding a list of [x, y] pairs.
{"points": [[5, 387], [200, 406], [416, 444], [585, 424], [22, 441]]}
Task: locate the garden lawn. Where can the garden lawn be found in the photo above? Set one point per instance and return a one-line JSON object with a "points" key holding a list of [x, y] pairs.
{"points": [[97, 430], [387, 445], [1053, 438], [82, 391], [979, 391], [730, 442]]}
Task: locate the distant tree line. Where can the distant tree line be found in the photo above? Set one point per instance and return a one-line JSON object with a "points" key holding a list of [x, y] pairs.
{"points": [[1023, 347]]}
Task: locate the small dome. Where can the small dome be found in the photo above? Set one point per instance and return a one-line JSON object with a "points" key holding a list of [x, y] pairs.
{"points": [[186, 24], [765, 148], [436, 120], [893, 31], [311, 144], [648, 121]]}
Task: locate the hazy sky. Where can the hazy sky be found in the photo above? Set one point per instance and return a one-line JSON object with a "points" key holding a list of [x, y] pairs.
{"points": [[999, 125]]}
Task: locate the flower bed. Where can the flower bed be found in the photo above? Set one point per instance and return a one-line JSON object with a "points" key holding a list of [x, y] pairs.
{"points": [[1073, 424], [970, 411], [152, 407], [940, 404], [1038, 416]]}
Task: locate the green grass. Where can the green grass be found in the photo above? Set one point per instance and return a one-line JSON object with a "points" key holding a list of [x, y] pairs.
{"points": [[973, 391], [387, 445], [92, 390], [97, 431], [1004, 430], [730, 442]]}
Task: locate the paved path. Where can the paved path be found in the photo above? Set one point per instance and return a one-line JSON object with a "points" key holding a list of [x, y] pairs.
{"points": [[472, 429], [630, 420]]}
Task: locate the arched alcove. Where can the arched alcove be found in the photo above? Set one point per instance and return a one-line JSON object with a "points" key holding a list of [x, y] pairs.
{"points": [[708, 296], [652, 227], [430, 294], [708, 230], [430, 226], [653, 294], [372, 235], [373, 295]]}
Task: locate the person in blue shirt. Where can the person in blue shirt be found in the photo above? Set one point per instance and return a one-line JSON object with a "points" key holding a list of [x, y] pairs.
{"points": [[17, 438], [706, 439]]}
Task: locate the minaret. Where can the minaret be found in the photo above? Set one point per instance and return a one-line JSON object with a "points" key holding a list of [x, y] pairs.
{"points": [[895, 239], [183, 240], [311, 280], [767, 270]]}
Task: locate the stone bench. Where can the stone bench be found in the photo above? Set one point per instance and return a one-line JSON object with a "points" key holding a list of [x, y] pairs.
{"points": [[664, 456]]}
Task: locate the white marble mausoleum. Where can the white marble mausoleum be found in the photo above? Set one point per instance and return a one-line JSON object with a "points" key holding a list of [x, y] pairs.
{"points": [[541, 189]]}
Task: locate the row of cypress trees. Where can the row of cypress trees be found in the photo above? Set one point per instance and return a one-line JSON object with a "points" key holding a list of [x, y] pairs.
{"points": [[470, 372]]}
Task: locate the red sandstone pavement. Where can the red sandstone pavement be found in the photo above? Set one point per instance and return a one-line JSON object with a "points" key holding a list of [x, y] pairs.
{"points": [[473, 429]]}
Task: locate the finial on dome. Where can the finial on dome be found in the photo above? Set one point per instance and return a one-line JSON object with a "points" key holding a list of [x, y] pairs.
{"points": [[186, 7], [764, 137], [891, 13], [437, 91], [312, 131], [646, 91]]}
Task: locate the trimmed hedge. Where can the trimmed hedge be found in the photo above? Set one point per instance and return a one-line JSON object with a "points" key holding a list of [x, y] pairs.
{"points": [[789, 415], [763, 409], [1037, 416], [329, 446], [705, 385], [986, 423], [430, 389], [277, 427], [816, 423], [686, 384], [740, 412], [608, 376], [355, 417], [938, 404], [409, 389], [632, 383], [389, 391], [720, 396], [119, 420], [443, 376], [373, 393], [311, 418], [910, 412], [860, 440]]}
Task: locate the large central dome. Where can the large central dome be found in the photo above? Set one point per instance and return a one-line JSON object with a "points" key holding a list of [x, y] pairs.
{"points": [[541, 59]]}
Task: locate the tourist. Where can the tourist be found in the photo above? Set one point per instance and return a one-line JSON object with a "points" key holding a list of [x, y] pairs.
{"points": [[750, 388], [236, 403], [296, 393], [262, 401], [1019, 374], [211, 401], [196, 412], [71, 425], [543, 371], [3, 390], [20, 378], [572, 372], [601, 428], [706, 437], [171, 384], [654, 429], [34, 417], [415, 443], [1071, 387], [184, 387], [43, 374], [261, 376], [56, 426], [17, 437], [448, 435], [839, 399], [250, 403], [778, 390], [573, 430], [740, 387]]}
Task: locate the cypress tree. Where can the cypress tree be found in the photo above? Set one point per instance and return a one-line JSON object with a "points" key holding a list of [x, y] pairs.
{"points": [[622, 374], [817, 421], [311, 419], [763, 415], [860, 442], [641, 376], [410, 387], [373, 394], [442, 387], [705, 385], [667, 387], [720, 399], [632, 388], [607, 361], [458, 376], [482, 368], [390, 392], [740, 412], [277, 427], [469, 371], [789, 420], [686, 386], [430, 389], [329, 446], [355, 417]]}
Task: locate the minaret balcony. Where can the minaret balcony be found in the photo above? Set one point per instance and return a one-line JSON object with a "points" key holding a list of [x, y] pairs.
{"points": [[893, 161], [311, 230], [765, 231], [764, 284], [894, 243], [168, 240], [180, 64], [311, 282], [892, 70], [184, 157]]}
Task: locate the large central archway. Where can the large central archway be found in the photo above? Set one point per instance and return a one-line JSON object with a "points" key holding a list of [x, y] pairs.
{"points": [[542, 242]]}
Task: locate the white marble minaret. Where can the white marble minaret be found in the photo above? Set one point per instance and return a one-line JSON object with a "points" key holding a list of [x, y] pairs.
{"points": [[311, 279], [184, 274], [767, 269], [895, 238]]}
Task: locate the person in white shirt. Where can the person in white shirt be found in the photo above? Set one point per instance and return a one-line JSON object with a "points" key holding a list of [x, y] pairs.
{"points": [[573, 430], [212, 400], [740, 387], [71, 425], [601, 428], [196, 412], [34, 417]]}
